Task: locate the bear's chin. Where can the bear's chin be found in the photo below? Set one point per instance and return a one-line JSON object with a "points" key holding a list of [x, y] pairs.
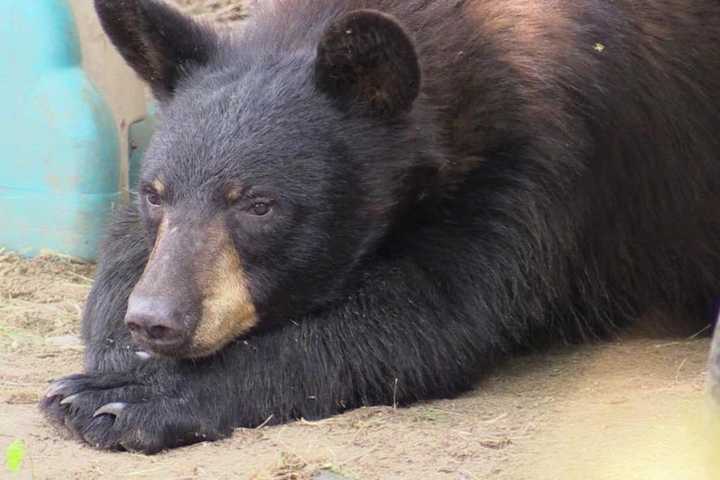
{"points": [[188, 352]]}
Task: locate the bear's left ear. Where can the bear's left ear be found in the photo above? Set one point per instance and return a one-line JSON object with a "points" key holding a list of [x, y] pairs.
{"points": [[366, 60], [156, 40]]}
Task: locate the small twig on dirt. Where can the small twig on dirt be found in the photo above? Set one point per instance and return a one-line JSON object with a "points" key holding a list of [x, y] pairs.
{"points": [[267, 420], [48, 355], [496, 419], [316, 423], [81, 277], [677, 372], [495, 443], [700, 332], [395, 394], [694, 336], [144, 472]]}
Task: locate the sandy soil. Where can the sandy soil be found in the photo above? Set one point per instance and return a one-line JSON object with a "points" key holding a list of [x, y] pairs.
{"points": [[618, 410]]}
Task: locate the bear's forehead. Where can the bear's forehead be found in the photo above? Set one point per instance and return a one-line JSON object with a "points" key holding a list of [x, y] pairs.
{"points": [[253, 124], [205, 157], [249, 83], [248, 113]]}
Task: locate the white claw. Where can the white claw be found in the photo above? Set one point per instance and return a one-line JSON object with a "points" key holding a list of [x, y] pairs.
{"points": [[114, 408], [143, 355], [68, 400], [54, 389]]}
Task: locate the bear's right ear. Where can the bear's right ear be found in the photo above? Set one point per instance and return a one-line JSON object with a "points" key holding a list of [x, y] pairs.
{"points": [[367, 62], [156, 40]]}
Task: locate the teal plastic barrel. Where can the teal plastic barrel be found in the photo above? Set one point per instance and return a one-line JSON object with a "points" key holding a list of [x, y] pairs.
{"points": [[59, 166]]}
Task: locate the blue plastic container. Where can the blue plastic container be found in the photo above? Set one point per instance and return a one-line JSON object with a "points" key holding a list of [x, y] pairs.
{"points": [[59, 165]]}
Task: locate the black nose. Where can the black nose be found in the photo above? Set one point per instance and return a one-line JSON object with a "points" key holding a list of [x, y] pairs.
{"points": [[156, 322]]}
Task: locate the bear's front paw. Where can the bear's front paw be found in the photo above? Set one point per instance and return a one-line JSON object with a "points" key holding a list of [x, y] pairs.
{"points": [[131, 412]]}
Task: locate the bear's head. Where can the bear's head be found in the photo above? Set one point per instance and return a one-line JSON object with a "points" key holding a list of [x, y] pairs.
{"points": [[278, 166]]}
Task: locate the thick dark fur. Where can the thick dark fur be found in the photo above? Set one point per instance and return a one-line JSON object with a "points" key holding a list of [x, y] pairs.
{"points": [[557, 177]]}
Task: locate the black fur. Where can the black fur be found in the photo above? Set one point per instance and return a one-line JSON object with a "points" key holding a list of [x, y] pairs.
{"points": [[556, 177], [156, 40], [365, 57]]}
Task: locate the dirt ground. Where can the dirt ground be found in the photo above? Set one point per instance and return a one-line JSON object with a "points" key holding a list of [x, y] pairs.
{"points": [[629, 409], [621, 410]]}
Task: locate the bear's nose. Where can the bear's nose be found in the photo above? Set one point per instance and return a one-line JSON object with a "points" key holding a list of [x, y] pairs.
{"points": [[155, 322]]}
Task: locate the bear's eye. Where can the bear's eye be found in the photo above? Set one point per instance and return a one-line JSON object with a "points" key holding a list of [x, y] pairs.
{"points": [[260, 208], [153, 199]]}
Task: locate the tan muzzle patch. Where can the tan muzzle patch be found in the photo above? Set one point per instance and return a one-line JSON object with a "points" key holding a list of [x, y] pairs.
{"points": [[227, 308]]}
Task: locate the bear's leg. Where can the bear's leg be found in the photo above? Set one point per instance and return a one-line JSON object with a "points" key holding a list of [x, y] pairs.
{"points": [[109, 347], [124, 255], [407, 332]]}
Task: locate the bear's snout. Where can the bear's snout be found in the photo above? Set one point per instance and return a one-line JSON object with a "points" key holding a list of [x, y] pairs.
{"points": [[193, 297], [157, 323]]}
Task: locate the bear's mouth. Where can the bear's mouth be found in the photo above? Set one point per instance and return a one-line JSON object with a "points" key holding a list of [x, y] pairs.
{"points": [[160, 348]]}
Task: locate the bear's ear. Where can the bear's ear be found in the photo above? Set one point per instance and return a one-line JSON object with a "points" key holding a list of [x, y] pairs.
{"points": [[156, 40], [366, 59]]}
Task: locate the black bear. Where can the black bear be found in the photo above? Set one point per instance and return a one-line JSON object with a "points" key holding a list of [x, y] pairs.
{"points": [[358, 202]]}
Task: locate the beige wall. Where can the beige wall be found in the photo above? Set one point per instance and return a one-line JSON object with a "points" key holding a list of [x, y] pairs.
{"points": [[122, 89]]}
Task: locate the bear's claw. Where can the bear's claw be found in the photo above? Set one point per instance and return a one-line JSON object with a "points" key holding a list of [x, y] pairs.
{"points": [[128, 412], [68, 400], [55, 389], [63, 387], [114, 408], [143, 355]]}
